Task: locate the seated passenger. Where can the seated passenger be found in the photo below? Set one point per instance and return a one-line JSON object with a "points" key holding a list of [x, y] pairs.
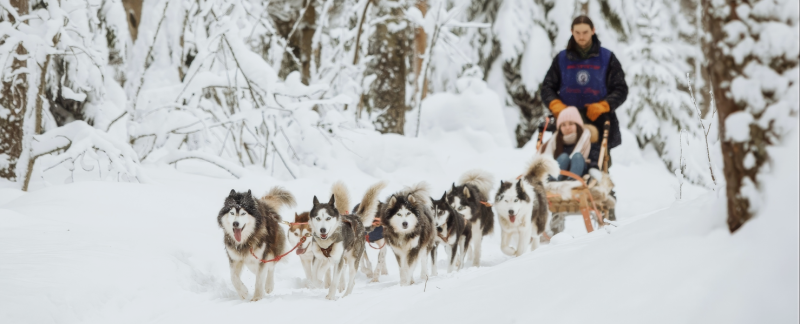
{"points": [[571, 143]]}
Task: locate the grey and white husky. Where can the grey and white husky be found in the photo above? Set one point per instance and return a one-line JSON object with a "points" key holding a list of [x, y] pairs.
{"points": [[408, 229], [522, 207], [252, 234], [470, 198], [339, 236]]}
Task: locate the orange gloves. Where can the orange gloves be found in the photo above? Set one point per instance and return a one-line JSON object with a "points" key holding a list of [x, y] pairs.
{"points": [[556, 106], [593, 110]]}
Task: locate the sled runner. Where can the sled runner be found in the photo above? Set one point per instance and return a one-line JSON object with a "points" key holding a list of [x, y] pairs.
{"points": [[590, 196]]}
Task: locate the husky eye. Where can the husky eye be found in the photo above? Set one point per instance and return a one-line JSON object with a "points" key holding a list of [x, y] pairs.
{"points": [[231, 212], [295, 234], [408, 214], [516, 200], [327, 219], [441, 212], [461, 208]]}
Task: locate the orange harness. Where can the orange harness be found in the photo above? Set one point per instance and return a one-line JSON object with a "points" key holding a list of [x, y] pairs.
{"points": [[278, 258]]}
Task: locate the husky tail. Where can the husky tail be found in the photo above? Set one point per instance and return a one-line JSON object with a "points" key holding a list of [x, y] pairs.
{"points": [[342, 202], [479, 178], [421, 193], [541, 166], [368, 208], [278, 197]]}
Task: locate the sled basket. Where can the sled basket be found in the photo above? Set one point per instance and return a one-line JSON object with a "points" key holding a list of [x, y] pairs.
{"points": [[592, 198]]}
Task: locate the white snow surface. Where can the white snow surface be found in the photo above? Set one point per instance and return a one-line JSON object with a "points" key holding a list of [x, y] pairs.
{"points": [[116, 252]]}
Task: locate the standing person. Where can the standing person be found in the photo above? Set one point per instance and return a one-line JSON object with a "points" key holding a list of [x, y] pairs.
{"points": [[570, 145], [590, 78]]}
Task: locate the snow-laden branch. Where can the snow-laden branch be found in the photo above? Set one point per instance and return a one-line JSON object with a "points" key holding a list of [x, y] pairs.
{"points": [[232, 168]]}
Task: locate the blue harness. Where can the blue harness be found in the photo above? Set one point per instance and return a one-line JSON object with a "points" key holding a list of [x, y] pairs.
{"points": [[583, 81]]}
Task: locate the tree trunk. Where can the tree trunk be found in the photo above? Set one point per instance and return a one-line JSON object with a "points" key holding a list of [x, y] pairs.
{"points": [[743, 157], [14, 101], [308, 27], [420, 42], [388, 48], [133, 12]]}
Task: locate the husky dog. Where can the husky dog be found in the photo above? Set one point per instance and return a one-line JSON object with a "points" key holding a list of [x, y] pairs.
{"points": [[453, 232], [296, 231], [470, 199], [522, 206], [368, 214], [407, 220], [252, 234], [339, 237]]}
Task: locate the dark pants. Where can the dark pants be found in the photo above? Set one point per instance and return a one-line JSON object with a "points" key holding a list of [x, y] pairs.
{"points": [[576, 164]]}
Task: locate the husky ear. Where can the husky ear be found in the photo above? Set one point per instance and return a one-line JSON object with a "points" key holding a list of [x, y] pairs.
{"points": [[333, 200], [444, 195], [433, 201], [466, 192], [501, 183], [296, 217], [233, 192], [316, 201], [454, 187], [391, 202], [411, 199], [249, 194]]}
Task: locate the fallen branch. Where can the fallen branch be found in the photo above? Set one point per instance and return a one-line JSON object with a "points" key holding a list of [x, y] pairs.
{"points": [[705, 131]]}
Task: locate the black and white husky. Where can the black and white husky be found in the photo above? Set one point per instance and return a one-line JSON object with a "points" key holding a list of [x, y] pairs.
{"points": [[522, 207], [408, 229], [252, 234], [470, 198], [339, 236], [452, 231]]}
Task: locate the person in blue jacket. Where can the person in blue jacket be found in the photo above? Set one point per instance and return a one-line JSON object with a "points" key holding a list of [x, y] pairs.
{"points": [[590, 78]]}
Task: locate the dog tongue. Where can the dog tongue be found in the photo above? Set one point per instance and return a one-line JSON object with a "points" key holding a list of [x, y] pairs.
{"points": [[237, 234], [301, 251], [511, 218]]}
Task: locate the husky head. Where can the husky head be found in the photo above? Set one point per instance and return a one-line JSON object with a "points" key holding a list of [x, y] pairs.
{"points": [[463, 200], [443, 214], [296, 231], [239, 217], [402, 213], [512, 200], [323, 218]]}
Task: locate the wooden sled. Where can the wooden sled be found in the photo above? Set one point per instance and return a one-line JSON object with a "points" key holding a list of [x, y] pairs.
{"points": [[592, 200]]}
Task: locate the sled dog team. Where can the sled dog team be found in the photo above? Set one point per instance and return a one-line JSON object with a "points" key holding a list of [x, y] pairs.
{"points": [[331, 237]]}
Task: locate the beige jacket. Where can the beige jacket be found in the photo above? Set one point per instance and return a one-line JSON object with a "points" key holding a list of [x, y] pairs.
{"points": [[583, 146]]}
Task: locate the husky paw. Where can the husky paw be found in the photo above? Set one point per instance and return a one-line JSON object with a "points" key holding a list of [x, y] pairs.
{"points": [[242, 294], [374, 279], [330, 297], [256, 297]]}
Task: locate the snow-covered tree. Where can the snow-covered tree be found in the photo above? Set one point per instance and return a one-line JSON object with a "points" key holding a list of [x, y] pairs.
{"points": [[658, 108], [754, 58]]}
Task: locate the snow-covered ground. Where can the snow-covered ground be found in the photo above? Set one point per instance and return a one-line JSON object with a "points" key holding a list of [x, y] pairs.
{"points": [[108, 252]]}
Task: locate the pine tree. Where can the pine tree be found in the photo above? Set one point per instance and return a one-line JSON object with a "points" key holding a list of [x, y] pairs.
{"points": [[13, 99], [754, 57], [658, 109]]}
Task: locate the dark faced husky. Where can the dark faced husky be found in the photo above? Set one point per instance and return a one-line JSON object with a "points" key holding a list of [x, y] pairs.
{"points": [[452, 231], [252, 234], [470, 198], [408, 229], [522, 207], [339, 236]]}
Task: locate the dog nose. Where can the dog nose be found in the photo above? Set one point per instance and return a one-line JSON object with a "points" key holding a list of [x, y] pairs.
{"points": [[439, 229], [236, 224], [405, 224], [511, 212], [322, 230]]}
